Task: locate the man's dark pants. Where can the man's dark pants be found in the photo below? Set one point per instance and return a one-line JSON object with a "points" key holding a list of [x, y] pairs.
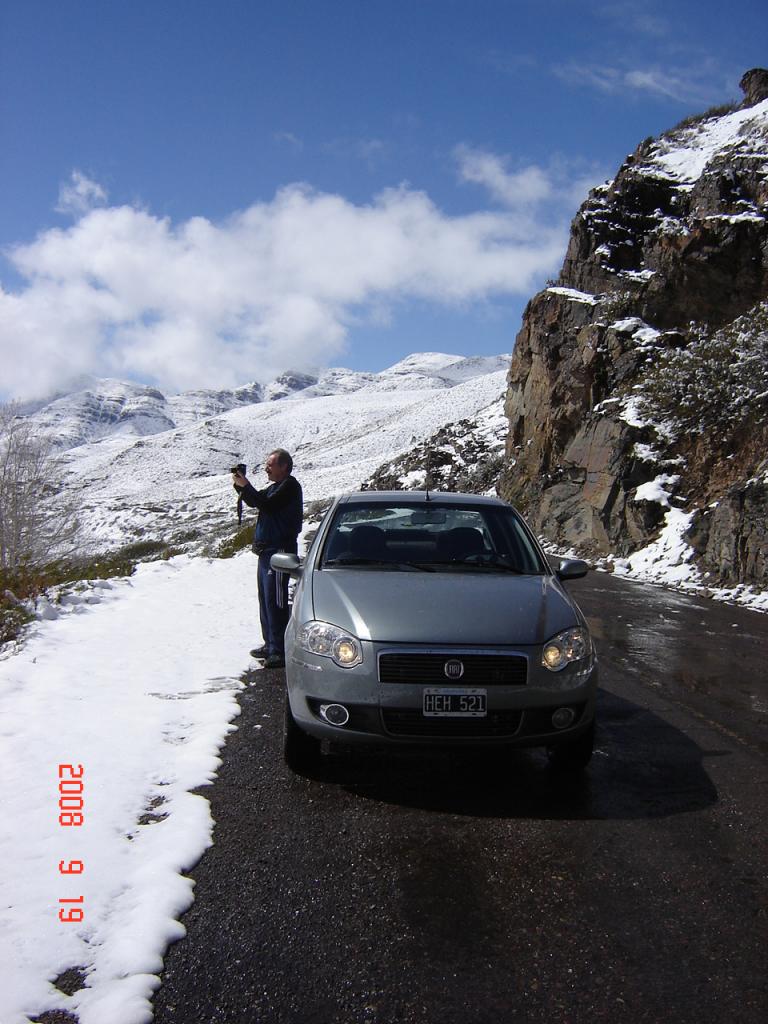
{"points": [[273, 604]]}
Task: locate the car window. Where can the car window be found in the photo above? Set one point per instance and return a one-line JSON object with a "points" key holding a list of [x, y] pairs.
{"points": [[439, 538]]}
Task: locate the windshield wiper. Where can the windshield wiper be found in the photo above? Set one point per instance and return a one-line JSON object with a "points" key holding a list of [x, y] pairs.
{"points": [[489, 564], [345, 562]]}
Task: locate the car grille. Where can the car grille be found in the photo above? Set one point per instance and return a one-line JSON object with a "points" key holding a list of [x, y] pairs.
{"points": [[411, 722], [429, 669]]}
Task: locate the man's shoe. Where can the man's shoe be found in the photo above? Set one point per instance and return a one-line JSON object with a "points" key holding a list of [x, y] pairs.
{"points": [[260, 652], [275, 661]]}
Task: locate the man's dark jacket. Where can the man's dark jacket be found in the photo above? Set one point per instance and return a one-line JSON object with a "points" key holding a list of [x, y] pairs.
{"points": [[281, 510]]}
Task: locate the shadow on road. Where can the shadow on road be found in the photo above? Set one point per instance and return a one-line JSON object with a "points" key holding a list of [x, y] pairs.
{"points": [[643, 767]]}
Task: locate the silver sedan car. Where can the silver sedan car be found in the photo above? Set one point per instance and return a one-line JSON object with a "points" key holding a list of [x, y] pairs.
{"points": [[434, 619]]}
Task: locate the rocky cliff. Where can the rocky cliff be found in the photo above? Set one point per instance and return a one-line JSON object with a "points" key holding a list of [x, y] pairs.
{"points": [[638, 388]]}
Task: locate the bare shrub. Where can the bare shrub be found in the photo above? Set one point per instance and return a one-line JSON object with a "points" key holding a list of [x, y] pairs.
{"points": [[33, 532]]}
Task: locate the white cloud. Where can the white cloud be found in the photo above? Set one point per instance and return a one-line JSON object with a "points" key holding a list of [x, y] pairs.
{"points": [[659, 82], [633, 19], [122, 292], [290, 140], [691, 85], [556, 190], [368, 151], [514, 189], [79, 195], [595, 76]]}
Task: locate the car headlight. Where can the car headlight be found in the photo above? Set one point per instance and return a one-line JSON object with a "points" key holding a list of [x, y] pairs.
{"points": [[565, 648], [330, 642]]}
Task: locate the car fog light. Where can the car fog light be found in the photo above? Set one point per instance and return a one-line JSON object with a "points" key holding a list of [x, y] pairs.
{"points": [[334, 714], [563, 717]]}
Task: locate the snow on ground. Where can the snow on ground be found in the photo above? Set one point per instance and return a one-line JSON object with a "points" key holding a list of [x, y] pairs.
{"points": [[134, 691]]}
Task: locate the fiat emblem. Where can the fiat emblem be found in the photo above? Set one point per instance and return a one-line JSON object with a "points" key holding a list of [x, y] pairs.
{"points": [[454, 669]]}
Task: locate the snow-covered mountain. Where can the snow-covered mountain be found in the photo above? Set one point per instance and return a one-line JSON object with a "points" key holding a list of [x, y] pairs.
{"points": [[151, 468], [106, 408], [95, 408]]}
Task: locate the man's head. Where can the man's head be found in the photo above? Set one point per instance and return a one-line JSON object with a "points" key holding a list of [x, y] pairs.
{"points": [[278, 465]]}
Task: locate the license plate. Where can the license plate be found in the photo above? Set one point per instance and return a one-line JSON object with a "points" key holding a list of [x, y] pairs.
{"points": [[448, 702]]}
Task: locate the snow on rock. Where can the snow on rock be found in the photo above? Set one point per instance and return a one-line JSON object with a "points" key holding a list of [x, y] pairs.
{"points": [[656, 490], [630, 411], [638, 329], [645, 452], [667, 559], [683, 155], [575, 295]]}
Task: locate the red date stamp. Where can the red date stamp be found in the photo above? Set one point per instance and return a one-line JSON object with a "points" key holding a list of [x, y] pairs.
{"points": [[71, 815]]}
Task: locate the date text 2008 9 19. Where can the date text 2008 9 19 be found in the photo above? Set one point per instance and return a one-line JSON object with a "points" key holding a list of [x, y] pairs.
{"points": [[71, 804]]}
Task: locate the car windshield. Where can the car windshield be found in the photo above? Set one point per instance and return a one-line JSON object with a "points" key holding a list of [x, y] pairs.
{"points": [[433, 538]]}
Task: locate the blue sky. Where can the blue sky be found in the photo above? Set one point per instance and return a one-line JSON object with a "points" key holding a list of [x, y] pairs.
{"points": [[199, 194]]}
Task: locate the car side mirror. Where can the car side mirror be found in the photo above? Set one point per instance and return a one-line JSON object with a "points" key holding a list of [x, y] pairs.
{"points": [[286, 561], [572, 569]]}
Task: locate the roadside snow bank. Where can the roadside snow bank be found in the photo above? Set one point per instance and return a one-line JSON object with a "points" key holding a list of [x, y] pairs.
{"points": [[667, 559], [668, 562], [136, 695]]}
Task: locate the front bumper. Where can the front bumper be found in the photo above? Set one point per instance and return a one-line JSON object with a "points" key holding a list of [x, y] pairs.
{"points": [[518, 714]]}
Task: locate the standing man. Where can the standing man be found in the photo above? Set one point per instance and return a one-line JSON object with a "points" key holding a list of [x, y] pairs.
{"points": [[281, 510]]}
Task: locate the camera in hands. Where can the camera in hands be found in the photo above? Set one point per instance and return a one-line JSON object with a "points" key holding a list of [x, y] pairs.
{"points": [[239, 468]]}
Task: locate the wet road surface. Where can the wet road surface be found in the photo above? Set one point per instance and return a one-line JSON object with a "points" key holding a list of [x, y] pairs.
{"points": [[461, 890]]}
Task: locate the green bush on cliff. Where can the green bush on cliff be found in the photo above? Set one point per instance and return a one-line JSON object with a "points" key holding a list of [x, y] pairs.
{"points": [[717, 383]]}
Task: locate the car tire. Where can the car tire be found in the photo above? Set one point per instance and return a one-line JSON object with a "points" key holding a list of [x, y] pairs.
{"points": [[573, 755], [301, 751]]}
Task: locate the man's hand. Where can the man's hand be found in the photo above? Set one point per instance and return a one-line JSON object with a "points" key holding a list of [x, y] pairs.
{"points": [[239, 480]]}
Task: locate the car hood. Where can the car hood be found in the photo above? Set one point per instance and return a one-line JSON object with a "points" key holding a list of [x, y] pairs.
{"points": [[443, 608]]}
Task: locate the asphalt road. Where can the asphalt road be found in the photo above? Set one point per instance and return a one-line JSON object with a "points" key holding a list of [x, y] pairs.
{"points": [[454, 890]]}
